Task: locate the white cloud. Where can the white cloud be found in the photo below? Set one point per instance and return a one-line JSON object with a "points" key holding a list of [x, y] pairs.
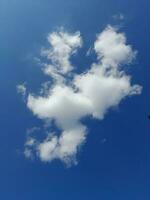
{"points": [[63, 45], [64, 147], [91, 93], [112, 50]]}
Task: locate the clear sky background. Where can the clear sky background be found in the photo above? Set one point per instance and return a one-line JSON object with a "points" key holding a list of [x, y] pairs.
{"points": [[114, 163]]}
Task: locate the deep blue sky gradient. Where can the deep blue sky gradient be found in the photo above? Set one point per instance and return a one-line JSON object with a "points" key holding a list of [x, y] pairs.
{"points": [[118, 169]]}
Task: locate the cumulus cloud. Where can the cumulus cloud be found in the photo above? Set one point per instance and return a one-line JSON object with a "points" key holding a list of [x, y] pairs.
{"points": [[92, 93], [112, 49], [63, 46]]}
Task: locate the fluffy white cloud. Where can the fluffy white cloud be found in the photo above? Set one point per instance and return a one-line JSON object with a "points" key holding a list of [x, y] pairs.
{"points": [[63, 147], [63, 45], [112, 49], [91, 93]]}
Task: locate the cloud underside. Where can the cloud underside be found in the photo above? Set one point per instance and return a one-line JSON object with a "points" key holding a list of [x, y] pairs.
{"points": [[89, 94]]}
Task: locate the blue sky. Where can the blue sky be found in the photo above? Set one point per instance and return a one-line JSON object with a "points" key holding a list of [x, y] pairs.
{"points": [[114, 162]]}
